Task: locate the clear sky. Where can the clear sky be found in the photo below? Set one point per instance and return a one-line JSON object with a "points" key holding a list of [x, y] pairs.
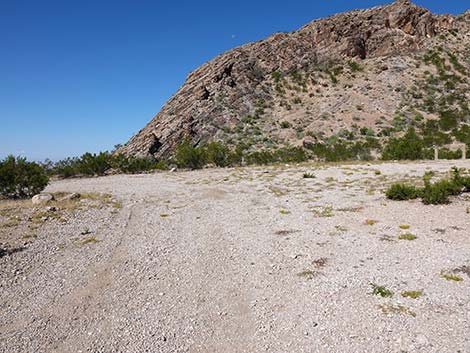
{"points": [[84, 75]]}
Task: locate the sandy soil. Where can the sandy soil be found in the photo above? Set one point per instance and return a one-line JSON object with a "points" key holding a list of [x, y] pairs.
{"points": [[237, 260]]}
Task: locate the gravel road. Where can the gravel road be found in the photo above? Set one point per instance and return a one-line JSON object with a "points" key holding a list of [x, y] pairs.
{"points": [[239, 260]]}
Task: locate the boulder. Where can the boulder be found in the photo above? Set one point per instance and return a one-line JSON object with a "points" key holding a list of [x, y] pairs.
{"points": [[42, 199]]}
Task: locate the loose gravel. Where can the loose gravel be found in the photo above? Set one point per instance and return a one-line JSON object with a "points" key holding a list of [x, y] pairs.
{"points": [[238, 260]]}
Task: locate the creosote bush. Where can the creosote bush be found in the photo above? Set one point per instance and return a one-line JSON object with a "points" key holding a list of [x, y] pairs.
{"points": [[100, 164], [400, 191], [189, 156], [20, 178], [432, 193], [409, 147]]}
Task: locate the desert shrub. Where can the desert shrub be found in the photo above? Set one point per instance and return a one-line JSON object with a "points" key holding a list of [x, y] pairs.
{"points": [[432, 193], [448, 120], [277, 76], [94, 164], [133, 165], [188, 156], [401, 191], [290, 154], [260, 157], [285, 125], [445, 153], [343, 151], [218, 154], [20, 178], [437, 193], [462, 134], [285, 155], [431, 134], [463, 181], [409, 147], [354, 66], [65, 168], [98, 164]]}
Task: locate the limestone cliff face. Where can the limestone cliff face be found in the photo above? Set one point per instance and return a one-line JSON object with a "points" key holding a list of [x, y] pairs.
{"points": [[217, 96]]}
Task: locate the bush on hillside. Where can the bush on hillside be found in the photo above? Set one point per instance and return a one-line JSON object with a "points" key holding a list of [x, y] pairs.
{"points": [[20, 178]]}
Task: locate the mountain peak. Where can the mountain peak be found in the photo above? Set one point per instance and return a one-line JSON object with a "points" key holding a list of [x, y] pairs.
{"points": [[243, 95]]}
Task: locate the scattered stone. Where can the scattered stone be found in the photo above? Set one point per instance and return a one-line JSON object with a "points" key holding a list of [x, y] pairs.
{"points": [[42, 199], [72, 196]]}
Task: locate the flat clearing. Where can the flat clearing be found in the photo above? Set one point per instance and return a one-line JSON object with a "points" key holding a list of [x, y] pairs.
{"points": [[254, 259]]}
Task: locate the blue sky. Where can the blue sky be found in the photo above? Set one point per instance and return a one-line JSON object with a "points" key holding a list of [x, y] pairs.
{"points": [[79, 76]]}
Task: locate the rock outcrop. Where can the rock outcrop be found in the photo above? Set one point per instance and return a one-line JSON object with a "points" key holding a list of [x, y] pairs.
{"points": [[217, 96]]}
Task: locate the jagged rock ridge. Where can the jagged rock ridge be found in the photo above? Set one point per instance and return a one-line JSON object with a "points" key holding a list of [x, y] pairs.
{"points": [[217, 97]]}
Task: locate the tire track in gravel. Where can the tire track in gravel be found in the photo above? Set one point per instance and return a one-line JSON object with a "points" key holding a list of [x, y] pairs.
{"points": [[92, 300]]}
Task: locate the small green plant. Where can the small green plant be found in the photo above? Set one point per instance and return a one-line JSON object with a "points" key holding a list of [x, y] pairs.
{"points": [[325, 212], [381, 291], [354, 66], [164, 215], [285, 125], [451, 277], [401, 192], [308, 176], [370, 222], [404, 226], [413, 294], [308, 274], [407, 236], [377, 172], [284, 212]]}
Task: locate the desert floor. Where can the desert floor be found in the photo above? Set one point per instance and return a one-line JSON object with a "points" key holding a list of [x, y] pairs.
{"points": [[254, 259]]}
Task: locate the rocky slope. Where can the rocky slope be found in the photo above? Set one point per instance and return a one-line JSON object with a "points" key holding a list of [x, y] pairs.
{"points": [[366, 69]]}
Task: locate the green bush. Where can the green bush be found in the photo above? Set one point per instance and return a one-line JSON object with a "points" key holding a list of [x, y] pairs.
{"points": [[21, 179], [354, 66], [402, 192], [65, 168], [285, 125], [133, 165], [284, 155], [344, 151], [188, 156], [98, 164], [218, 154], [437, 193], [445, 153], [409, 147], [94, 164], [432, 193]]}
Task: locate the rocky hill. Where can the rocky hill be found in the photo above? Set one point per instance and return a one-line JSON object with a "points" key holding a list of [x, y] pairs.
{"points": [[361, 74]]}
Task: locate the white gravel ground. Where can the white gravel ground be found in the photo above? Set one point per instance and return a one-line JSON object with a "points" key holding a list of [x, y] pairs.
{"points": [[243, 260]]}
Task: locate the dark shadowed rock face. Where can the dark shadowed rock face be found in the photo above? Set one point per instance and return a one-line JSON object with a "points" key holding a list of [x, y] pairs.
{"points": [[216, 96]]}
